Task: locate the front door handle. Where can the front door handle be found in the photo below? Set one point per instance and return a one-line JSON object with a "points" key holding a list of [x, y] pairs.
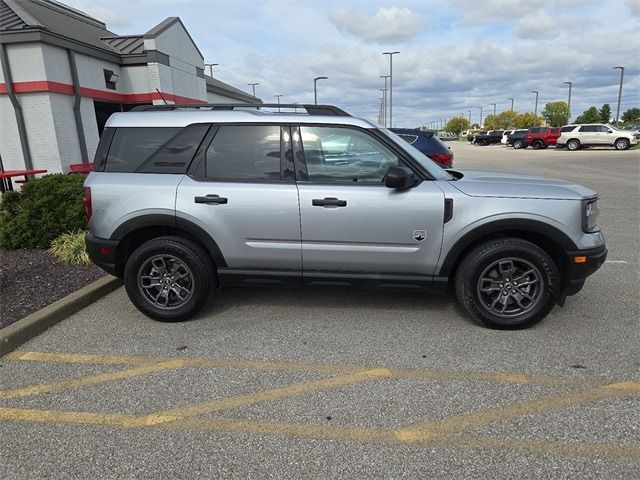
{"points": [[212, 198], [328, 202]]}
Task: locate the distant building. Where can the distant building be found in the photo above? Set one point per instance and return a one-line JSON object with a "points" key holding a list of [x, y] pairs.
{"points": [[63, 73]]}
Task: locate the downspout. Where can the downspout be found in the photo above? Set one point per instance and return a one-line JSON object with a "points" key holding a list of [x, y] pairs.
{"points": [[22, 130], [77, 99]]}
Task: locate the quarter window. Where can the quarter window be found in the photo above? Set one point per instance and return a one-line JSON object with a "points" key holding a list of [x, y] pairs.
{"points": [[246, 153], [131, 146], [344, 155]]}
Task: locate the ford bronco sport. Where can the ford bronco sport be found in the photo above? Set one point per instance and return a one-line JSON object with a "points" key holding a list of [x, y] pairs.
{"points": [[185, 200]]}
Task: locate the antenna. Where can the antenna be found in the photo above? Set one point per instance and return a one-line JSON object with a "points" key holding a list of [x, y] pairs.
{"points": [[163, 99]]}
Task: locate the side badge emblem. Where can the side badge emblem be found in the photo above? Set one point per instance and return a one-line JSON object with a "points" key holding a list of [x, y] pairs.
{"points": [[419, 235]]}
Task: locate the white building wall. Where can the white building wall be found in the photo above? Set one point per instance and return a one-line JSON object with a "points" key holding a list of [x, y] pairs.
{"points": [[216, 98], [176, 43], [91, 73], [64, 124], [39, 122], [56, 64], [26, 61], [10, 148]]}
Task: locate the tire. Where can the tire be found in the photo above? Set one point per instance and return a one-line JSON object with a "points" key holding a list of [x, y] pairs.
{"points": [[538, 145], [184, 266], [622, 144], [484, 275], [518, 144], [573, 144], [483, 143]]}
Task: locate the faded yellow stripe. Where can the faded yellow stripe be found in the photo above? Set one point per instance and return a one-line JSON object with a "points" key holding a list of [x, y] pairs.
{"points": [[78, 418], [454, 424], [273, 394], [90, 380], [422, 374]]}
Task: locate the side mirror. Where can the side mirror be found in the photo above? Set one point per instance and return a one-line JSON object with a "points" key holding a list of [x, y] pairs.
{"points": [[399, 177]]}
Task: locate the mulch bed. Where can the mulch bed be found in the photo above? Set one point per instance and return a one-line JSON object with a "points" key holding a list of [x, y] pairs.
{"points": [[32, 279]]}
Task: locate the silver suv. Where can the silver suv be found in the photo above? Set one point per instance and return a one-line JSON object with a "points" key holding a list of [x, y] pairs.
{"points": [[185, 200]]}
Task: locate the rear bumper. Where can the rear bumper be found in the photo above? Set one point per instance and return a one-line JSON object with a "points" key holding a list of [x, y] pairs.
{"points": [[102, 252], [583, 263]]}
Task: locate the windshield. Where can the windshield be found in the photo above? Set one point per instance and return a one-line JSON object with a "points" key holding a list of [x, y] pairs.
{"points": [[429, 165]]}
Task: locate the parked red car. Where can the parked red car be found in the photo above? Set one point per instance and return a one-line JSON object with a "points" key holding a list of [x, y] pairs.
{"points": [[542, 137]]}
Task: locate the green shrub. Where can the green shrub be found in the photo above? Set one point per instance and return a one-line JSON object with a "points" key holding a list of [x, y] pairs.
{"points": [[44, 209], [70, 247]]}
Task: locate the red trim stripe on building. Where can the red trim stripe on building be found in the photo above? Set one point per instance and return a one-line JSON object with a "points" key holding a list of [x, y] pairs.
{"points": [[107, 96]]}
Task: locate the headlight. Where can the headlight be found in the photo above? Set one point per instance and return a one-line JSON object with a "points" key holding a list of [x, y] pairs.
{"points": [[590, 213]]}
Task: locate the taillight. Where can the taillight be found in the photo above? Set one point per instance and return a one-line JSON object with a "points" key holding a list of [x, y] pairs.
{"points": [[442, 158], [86, 201]]}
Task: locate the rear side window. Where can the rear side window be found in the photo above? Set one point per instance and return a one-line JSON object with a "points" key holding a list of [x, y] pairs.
{"points": [[589, 128], [131, 146], [249, 153], [567, 129], [410, 139]]}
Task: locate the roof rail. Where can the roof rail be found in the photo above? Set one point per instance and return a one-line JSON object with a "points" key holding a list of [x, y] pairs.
{"points": [[311, 109]]}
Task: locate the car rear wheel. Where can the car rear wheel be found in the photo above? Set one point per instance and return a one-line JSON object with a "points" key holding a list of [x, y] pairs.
{"points": [[573, 144], [169, 278], [507, 283], [483, 143], [518, 144], [538, 145], [622, 144]]}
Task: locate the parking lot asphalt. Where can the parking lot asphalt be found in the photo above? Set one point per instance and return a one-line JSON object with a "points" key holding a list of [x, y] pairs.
{"points": [[272, 383]]}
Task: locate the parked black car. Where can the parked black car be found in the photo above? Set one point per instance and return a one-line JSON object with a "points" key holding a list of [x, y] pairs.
{"points": [[427, 143], [516, 139], [492, 136]]}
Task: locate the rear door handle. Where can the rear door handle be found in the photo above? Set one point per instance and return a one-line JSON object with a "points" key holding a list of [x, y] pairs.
{"points": [[212, 198], [328, 202]]}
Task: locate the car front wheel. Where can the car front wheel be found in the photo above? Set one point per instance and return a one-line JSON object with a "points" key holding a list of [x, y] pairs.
{"points": [[622, 144], [573, 144], [169, 278], [507, 283], [518, 144]]}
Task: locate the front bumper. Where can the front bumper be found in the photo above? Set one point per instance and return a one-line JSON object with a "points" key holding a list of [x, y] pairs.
{"points": [[102, 252], [583, 263]]}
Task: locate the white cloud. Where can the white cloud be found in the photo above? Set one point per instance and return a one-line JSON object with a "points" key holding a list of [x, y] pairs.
{"points": [[634, 7], [103, 14], [388, 25]]}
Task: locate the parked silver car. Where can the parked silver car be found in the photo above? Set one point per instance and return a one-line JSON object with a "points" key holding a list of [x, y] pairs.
{"points": [[185, 200]]}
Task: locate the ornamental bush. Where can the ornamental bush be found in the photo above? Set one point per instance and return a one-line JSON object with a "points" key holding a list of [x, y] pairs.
{"points": [[44, 209]]}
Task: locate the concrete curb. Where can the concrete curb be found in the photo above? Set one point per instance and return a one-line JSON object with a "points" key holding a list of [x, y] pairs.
{"points": [[32, 325]]}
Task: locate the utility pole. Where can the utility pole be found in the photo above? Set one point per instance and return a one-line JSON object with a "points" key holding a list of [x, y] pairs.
{"points": [[385, 98], [619, 94], [535, 112], [315, 88], [391, 54], [569, 102]]}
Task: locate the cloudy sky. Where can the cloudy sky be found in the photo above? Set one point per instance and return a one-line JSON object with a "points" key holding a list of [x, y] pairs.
{"points": [[455, 55]]}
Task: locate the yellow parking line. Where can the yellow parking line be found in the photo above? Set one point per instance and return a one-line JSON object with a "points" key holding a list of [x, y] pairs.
{"points": [[451, 425], [90, 380], [417, 373], [78, 418], [303, 388]]}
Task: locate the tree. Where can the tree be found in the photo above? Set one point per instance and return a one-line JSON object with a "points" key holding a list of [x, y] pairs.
{"points": [[527, 120], [507, 119], [605, 113], [556, 113], [631, 116], [457, 125], [590, 115], [491, 122]]}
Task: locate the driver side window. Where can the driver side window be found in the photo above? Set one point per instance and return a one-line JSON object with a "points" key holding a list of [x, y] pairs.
{"points": [[344, 155]]}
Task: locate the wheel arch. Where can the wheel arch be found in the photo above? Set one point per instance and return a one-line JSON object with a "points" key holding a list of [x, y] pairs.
{"points": [[134, 232], [552, 240]]}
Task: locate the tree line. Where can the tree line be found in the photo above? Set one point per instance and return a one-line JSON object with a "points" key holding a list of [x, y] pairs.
{"points": [[556, 114]]}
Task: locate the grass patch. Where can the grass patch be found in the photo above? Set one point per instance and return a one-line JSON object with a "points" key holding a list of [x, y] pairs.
{"points": [[70, 247]]}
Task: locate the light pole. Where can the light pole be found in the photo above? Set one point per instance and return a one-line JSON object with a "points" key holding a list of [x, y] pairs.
{"points": [[391, 54], [619, 94], [569, 102], [385, 98], [511, 103], [494, 108], [535, 112], [383, 105], [278, 98], [469, 119], [315, 88], [480, 116], [253, 86], [211, 65]]}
